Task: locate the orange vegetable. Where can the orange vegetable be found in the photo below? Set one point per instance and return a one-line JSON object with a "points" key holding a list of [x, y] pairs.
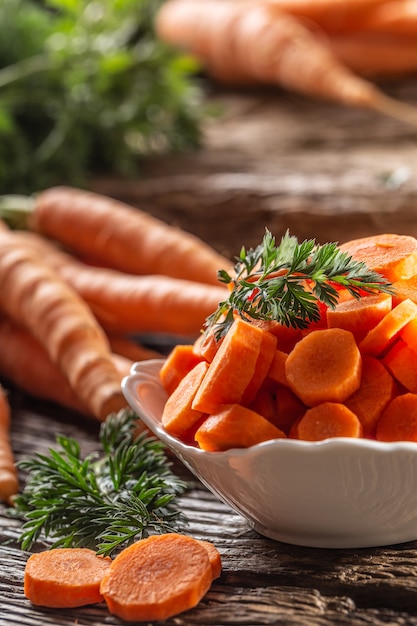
{"points": [[330, 419], [206, 345], [130, 349], [113, 234], [214, 557], [360, 315], [179, 416], [124, 303], [178, 363], [324, 366], [266, 355], [9, 483], [401, 361], [157, 578], [394, 256], [289, 408], [226, 37], [35, 297], [65, 577], [386, 331], [393, 16], [399, 420], [265, 404], [232, 368], [277, 370], [405, 289], [376, 390], [235, 426]]}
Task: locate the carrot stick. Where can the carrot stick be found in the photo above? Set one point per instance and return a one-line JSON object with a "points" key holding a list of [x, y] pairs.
{"points": [[394, 256], [65, 577], [330, 419], [325, 366], [360, 316], [178, 363], [392, 16], [37, 298], [254, 42], [157, 578], [377, 389], [399, 420], [235, 426], [124, 303], [387, 330], [9, 483], [113, 234]]}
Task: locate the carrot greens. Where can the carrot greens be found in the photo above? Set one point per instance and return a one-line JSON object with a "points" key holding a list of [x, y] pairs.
{"points": [[287, 282], [105, 500]]}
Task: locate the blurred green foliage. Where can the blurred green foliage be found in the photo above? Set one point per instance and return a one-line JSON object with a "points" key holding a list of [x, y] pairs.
{"points": [[87, 88]]}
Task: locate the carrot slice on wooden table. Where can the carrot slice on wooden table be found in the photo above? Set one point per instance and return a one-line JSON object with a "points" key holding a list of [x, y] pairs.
{"points": [[179, 415], [9, 482], [377, 389], [214, 556], [398, 422], [178, 363], [232, 368], [65, 577], [401, 361], [157, 578], [360, 315], [235, 426], [394, 256], [327, 420], [388, 329], [325, 366]]}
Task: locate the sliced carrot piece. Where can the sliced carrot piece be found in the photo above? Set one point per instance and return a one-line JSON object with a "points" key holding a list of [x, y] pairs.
{"points": [[206, 345], [386, 331], [157, 578], [409, 334], [405, 289], [178, 415], [330, 419], [399, 420], [394, 256], [65, 577], [214, 557], [287, 336], [277, 370], [376, 390], [178, 363], [262, 367], [360, 315], [325, 366], [235, 426], [232, 368], [289, 408], [265, 404], [401, 361]]}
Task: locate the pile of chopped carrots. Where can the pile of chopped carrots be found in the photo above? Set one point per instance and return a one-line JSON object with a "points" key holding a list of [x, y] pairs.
{"points": [[330, 49], [80, 277], [152, 579], [351, 374]]}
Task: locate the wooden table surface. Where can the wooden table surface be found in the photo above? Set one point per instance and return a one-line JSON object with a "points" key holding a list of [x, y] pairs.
{"points": [[325, 172]]}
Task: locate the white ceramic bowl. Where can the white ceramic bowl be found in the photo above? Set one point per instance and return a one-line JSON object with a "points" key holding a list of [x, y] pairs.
{"points": [[336, 493]]}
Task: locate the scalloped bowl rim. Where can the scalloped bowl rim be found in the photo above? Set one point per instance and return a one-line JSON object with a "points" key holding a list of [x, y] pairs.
{"points": [[245, 478]]}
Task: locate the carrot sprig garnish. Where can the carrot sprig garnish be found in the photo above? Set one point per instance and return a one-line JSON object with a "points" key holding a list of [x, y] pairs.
{"points": [[104, 501], [290, 282]]}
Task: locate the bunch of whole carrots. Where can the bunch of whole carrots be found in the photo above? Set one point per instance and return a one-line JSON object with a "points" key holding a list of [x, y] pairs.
{"points": [[88, 273], [322, 48]]}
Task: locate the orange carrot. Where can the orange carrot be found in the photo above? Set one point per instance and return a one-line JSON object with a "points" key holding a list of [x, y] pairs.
{"points": [[394, 256], [214, 557], [289, 408], [267, 353], [178, 363], [409, 334], [387, 330], [126, 303], [277, 370], [254, 42], [401, 361], [325, 366], [265, 404], [9, 483], [157, 578], [330, 419], [37, 298], [287, 336], [403, 289], [377, 389], [65, 577], [399, 420], [179, 416], [113, 234], [232, 368], [392, 16], [235, 426], [360, 315], [207, 344]]}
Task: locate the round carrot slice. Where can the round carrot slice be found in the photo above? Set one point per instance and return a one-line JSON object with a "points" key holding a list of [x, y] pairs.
{"points": [[330, 419]]}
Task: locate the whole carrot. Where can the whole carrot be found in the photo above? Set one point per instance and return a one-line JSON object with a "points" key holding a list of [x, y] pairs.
{"points": [[127, 303], [34, 296], [113, 234], [254, 42], [9, 484]]}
